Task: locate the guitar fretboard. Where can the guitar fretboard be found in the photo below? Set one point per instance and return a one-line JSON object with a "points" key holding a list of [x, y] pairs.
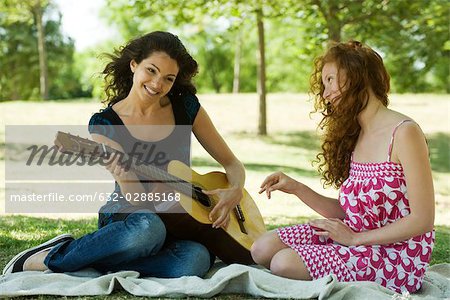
{"points": [[159, 175]]}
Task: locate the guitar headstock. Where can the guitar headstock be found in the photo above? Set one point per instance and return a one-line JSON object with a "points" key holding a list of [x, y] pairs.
{"points": [[69, 143]]}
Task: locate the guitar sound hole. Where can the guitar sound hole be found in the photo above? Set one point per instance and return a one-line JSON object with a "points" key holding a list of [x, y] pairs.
{"points": [[201, 197]]}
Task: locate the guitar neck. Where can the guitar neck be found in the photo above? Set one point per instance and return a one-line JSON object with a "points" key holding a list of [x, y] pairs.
{"points": [[75, 144], [159, 175]]}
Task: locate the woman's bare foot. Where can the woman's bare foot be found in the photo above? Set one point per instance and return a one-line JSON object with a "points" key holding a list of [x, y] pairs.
{"points": [[36, 262]]}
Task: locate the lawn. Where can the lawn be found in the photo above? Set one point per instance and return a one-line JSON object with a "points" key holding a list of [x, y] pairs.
{"points": [[290, 146], [21, 232]]}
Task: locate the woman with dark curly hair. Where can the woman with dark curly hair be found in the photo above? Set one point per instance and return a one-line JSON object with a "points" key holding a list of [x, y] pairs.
{"points": [[151, 111], [381, 226]]}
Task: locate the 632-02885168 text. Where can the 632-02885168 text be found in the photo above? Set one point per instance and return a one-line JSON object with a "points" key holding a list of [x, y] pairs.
{"points": [[155, 196]]}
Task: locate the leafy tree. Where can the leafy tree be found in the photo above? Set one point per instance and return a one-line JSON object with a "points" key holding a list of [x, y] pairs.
{"points": [[415, 45], [31, 11], [18, 62], [196, 12], [19, 57], [411, 34], [214, 55]]}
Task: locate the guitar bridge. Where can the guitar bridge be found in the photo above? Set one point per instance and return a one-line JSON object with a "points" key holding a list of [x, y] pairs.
{"points": [[240, 218]]}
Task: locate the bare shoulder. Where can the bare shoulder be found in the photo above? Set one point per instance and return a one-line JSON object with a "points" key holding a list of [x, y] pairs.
{"points": [[409, 133], [409, 138], [202, 119], [406, 127], [395, 117]]}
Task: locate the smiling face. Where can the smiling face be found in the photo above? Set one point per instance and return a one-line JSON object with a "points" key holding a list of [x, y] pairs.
{"points": [[332, 83], [154, 76]]}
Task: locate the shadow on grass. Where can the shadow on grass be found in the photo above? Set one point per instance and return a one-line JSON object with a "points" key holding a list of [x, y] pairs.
{"points": [[438, 143], [263, 168], [276, 222], [308, 140], [202, 162], [268, 168], [439, 146]]}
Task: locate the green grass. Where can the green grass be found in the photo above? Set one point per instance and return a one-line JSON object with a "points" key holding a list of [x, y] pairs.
{"points": [[441, 251], [21, 232]]}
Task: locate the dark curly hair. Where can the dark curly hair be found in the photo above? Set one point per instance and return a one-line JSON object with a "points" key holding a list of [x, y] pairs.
{"points": [[363, 70], [119, 78]]}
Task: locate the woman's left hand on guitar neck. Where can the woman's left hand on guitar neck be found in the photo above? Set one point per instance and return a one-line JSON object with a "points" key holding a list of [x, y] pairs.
{"points": [[228, 199]]}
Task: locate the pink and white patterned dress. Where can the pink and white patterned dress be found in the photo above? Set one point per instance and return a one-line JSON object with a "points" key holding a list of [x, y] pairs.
{"points": [[373, 195]]}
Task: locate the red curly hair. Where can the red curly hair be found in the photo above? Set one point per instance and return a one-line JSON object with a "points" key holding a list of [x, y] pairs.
{"points": [[364, 71]]}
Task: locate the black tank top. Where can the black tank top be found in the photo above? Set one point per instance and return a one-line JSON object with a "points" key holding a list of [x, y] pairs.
{"points": [[176, 146]]}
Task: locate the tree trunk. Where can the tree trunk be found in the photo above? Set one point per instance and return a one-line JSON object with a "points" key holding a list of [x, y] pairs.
{"points": [[43, 70], [334, 31], [261, 83], [13, 91], [333, 23], [213, 74], [237, 63]]}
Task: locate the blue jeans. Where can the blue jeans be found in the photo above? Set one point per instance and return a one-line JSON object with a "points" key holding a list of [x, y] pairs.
{"points": [[138, 243]]}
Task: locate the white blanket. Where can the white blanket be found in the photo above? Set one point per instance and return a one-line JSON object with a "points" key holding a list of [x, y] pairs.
{"points": [[235, 279]]}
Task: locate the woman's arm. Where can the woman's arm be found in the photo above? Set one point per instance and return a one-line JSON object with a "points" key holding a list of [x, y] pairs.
{"points": [[128, 181], [325, 206], [210, 139]]}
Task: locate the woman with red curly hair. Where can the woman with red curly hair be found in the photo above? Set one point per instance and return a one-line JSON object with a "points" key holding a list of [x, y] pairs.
{"points": [[381, 226]]}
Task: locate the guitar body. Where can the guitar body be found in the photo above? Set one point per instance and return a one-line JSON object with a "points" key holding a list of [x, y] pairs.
{"points": [[230, 245]]}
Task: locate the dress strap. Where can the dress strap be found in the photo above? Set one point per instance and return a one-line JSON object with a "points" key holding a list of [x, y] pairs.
{"points": [[391, 144]]}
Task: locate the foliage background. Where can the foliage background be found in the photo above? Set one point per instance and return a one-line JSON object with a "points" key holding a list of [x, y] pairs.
{"points": [[411, 35]]}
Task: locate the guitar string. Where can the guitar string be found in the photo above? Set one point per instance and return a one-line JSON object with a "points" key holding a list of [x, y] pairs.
{"points": [[187, 188]]}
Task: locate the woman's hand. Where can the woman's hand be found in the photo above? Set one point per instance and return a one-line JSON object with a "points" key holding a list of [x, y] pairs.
{"points": [[279, 181], [228, 199], [336, 230], [118, 169]]}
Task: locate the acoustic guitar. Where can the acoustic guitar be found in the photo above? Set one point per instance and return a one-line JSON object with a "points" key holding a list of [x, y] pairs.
{"points": [[231, 245]]}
